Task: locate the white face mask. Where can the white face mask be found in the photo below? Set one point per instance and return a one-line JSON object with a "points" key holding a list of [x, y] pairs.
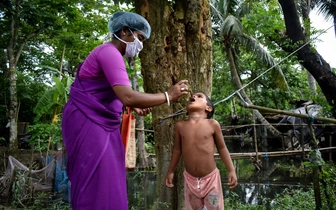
{"points": [[132, 48]]}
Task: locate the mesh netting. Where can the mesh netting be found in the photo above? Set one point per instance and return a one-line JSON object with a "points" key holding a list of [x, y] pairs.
{"points": [[34, 180]]}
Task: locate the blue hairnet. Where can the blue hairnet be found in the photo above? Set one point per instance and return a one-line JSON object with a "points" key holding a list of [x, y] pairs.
{"points": [[131, 20]]}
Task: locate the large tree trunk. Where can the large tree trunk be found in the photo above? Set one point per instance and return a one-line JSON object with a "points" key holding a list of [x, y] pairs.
{"points": [[180, 47], [311, 60]]}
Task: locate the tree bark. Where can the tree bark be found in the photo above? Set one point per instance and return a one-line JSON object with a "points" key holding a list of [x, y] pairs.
{"points": [[311, 60], [13, 111], [180, 47], [305, 10], [13, 104], [140, 135], [312, 83], [14, 50]]}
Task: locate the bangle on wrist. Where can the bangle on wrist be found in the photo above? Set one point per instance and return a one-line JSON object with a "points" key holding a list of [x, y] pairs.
{"points": [[167, 97]]}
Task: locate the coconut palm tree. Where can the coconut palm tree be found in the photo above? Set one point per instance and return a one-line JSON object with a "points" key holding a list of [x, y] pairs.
{"points": [[229, 29]]}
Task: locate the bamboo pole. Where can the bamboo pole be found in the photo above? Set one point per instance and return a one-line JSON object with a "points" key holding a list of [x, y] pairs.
{"points": [[269, 154], [273, 183], [275, 153], [247, 125], [255, 142], [330, 145], [323, 119], [316, 170]]}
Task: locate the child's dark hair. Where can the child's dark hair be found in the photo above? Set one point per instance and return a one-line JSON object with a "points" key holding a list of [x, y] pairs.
{"points": [[209, 103]]}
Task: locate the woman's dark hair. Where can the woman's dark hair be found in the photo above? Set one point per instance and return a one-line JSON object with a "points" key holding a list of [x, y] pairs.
{"points": [[118, 33]]}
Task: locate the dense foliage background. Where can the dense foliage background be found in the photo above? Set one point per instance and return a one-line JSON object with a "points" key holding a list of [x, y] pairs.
{"points": [[52, 38], [254, 52]]}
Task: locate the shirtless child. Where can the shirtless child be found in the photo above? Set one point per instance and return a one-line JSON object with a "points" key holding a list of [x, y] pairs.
{"points": [[195, 140]]}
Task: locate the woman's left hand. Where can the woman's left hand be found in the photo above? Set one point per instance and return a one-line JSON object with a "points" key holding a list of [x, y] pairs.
{"points": [[142, 112]]}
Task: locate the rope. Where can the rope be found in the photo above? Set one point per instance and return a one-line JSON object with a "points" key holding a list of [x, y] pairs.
{"points": [[179, 112], [273, 66]]}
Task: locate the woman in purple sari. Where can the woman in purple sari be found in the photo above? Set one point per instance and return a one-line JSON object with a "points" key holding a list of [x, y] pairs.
{"points": [[91, 118]]}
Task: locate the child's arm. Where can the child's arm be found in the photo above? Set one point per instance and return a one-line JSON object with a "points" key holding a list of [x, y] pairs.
{"points": [[175, 157], [225, 155]]}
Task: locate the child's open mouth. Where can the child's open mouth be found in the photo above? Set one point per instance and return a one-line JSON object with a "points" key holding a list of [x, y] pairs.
{"points": [[191, 99]]}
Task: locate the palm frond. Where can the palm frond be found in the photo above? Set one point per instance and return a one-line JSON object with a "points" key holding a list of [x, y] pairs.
{"points": [[327, 8], [221, 9], [216, 11], [231, 26], [262, 54]]}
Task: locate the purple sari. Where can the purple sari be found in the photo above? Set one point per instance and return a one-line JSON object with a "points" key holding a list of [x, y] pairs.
{"points": [[95, 153]]}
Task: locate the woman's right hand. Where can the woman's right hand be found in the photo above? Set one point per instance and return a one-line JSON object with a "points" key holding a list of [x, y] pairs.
{"points": [[178, 90]]}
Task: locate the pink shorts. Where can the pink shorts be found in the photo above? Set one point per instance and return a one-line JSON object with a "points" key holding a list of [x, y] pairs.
{"points": [[203, 193]]}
